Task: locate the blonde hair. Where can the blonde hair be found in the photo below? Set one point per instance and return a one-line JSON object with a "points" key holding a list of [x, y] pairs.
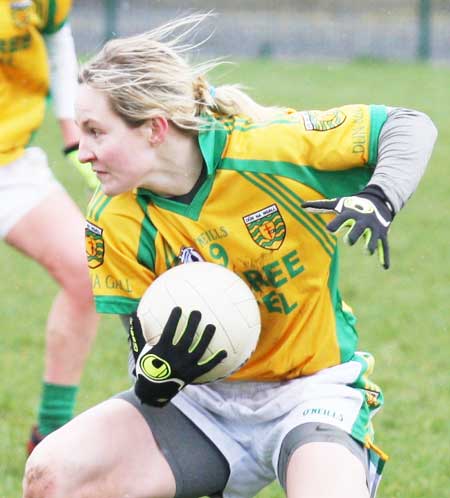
{"points": [[149, 75]]}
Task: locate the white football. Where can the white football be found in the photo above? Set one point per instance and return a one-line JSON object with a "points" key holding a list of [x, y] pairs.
{"points": [[223, 299]]}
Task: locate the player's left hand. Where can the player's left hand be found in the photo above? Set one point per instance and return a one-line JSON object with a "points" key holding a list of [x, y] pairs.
{"points": [[84, 169], [167, 367], [367, 214]]}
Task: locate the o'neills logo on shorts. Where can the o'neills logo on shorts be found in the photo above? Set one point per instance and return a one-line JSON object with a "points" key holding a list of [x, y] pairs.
{"points": [[266, 227], [95, 245], [324, 412]]}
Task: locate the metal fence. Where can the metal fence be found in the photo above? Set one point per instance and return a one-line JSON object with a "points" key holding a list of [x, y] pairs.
{"points": [[294, 29]]}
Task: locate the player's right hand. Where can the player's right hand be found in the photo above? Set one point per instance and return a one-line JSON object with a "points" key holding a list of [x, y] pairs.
{"points": [[366, 215], [167, 367]]}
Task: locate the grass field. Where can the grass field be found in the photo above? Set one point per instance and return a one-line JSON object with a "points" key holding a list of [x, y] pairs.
{"points": [[403, 314]]}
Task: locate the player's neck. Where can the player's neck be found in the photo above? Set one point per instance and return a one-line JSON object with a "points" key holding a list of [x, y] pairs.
{"points": [[185, 161]]}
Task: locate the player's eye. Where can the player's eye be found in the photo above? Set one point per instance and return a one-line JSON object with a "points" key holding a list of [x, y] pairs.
{"points": [[94, 132]]}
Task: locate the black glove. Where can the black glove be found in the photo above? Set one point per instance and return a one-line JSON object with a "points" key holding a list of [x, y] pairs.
{"points": [[368, 214], [164, 369]]}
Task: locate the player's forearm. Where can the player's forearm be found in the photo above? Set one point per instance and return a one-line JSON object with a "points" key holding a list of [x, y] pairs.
{"points": [[405, 146], [63, 72]]}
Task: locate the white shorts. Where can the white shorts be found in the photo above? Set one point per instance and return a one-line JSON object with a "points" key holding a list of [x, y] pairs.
{"points": [[24, 183], [248, 421]]}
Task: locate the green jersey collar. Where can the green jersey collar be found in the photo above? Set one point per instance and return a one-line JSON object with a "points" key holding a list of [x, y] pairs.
{"points": [[212, 140]]}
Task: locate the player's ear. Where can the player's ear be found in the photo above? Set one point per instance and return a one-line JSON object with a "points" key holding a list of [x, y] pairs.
{"points": [[156, 130]]}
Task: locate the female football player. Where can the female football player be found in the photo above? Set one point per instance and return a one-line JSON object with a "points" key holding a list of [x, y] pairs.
{"points": [[192, 172], [37, 217]]}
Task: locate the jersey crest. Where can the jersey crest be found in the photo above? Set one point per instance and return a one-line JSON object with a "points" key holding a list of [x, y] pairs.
{"points": [[323, 120], [21, 13], [95, 245], [266, 227]]}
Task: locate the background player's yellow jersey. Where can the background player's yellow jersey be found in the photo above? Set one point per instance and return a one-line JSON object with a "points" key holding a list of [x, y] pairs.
{"points": [[246, 215], [24, 71]]}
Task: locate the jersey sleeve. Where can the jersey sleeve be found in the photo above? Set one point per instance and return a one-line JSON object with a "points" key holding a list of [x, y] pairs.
{"points": [[56, 15], [333, 152], [341, 138], [337, 150], [119, 263]]}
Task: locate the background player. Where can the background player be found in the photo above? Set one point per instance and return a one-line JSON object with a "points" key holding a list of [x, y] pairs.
{"points": [[209, 160], [37, 216]]}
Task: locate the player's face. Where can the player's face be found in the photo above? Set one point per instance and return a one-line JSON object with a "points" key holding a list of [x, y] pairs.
{"points": [[120, 155]]}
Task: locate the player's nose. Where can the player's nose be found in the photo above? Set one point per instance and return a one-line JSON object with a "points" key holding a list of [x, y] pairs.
{"points": [[85, 154]]}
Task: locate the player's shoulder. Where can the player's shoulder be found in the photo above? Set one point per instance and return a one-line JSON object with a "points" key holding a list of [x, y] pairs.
{"points": [[122, 208], [346, 115], [53, 14]]}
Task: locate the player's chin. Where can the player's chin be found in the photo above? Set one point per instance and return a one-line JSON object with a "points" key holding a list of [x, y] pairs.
{"points": [[111, 187]]}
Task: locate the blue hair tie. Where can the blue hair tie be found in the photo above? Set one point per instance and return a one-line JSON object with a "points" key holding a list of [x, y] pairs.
{"points": [[212, 91]]}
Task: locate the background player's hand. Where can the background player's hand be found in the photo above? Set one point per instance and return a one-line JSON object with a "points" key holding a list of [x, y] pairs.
{"points": [[164, 369], [367, 214], [84, 169]]}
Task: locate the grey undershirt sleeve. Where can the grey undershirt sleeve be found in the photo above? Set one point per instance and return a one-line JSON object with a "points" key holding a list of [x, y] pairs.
{"points": [[405, 145]]}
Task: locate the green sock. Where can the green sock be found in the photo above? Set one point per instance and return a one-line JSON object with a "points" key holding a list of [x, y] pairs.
{"points": [[56, 407]]}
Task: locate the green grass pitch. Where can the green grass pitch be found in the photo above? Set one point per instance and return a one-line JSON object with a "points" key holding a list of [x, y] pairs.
{"points": [[403, 313]]}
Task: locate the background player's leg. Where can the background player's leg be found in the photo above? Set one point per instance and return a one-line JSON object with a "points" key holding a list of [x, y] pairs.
{"points": [[107, 451], [52, 234]]}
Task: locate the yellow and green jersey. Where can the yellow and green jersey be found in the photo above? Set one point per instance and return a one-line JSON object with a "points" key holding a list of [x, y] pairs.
{"points": [[246, 216], [24, 71]]}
